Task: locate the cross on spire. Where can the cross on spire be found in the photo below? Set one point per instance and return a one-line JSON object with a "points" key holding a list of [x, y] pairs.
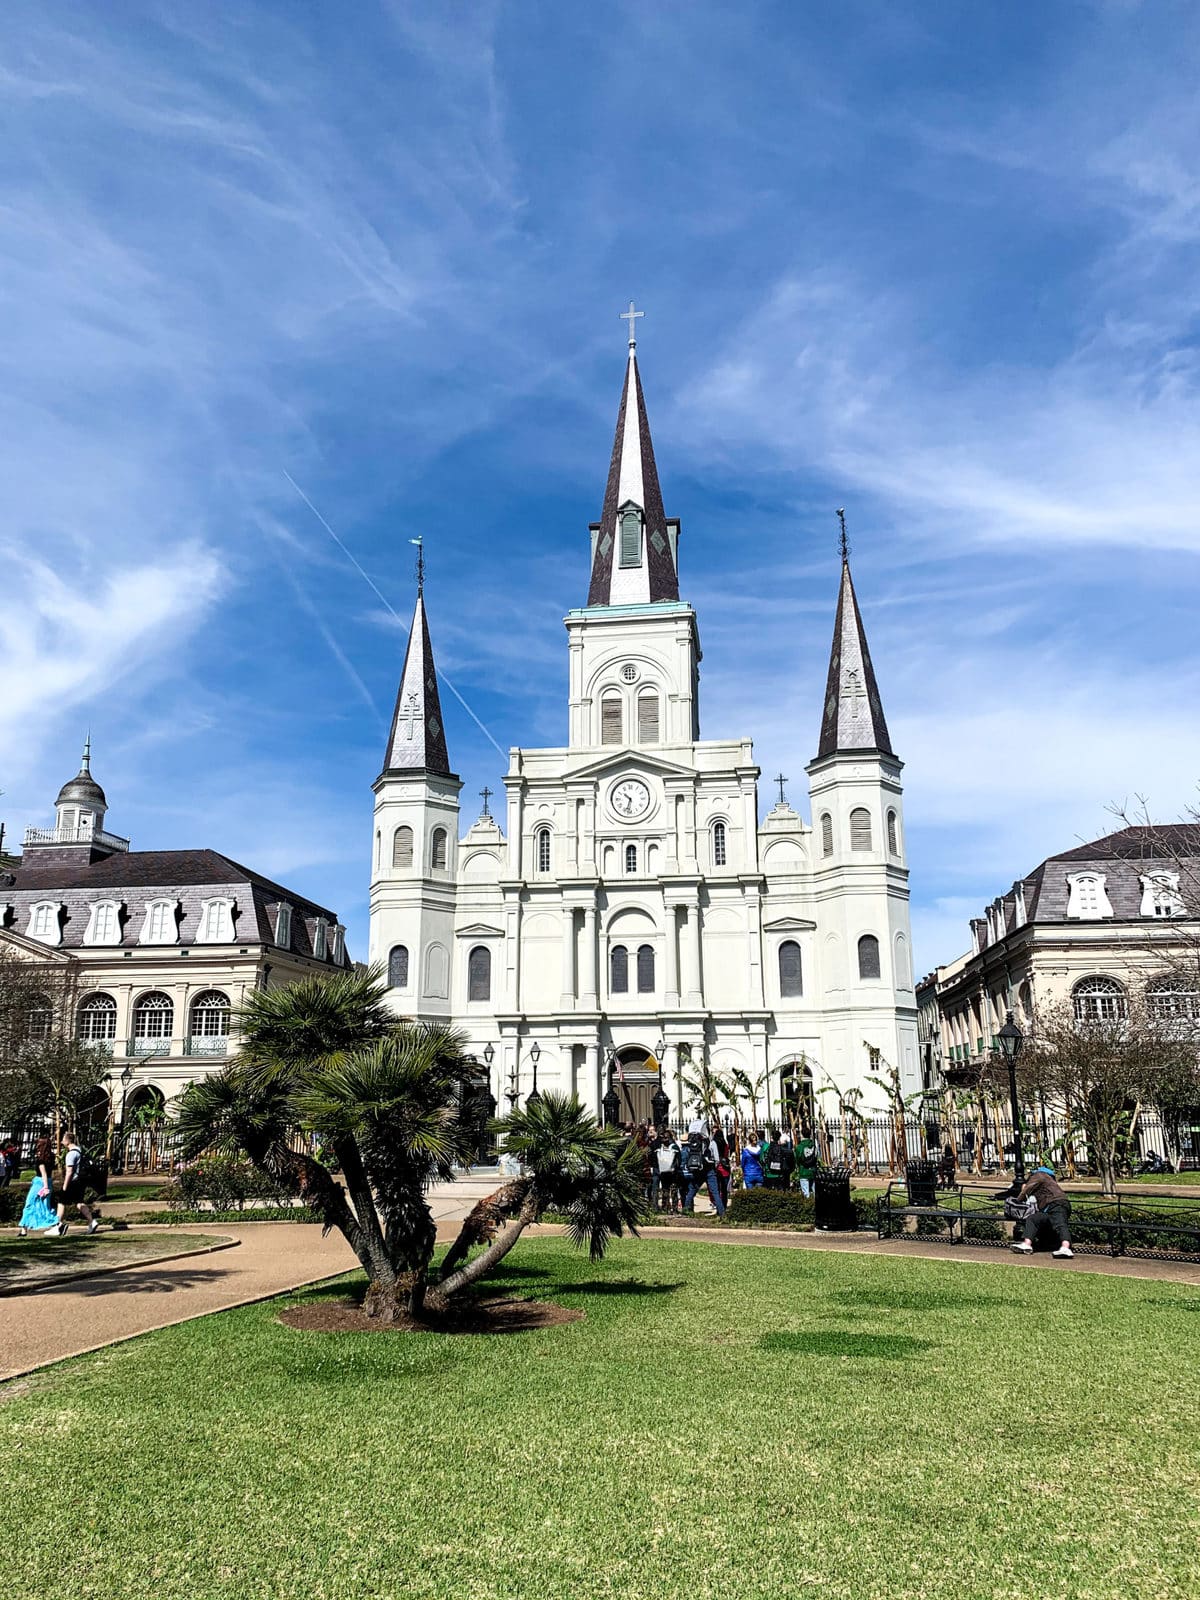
{"points": [[845, 545], [485, 794], [420, 544], [630, 317], [781, 780]]}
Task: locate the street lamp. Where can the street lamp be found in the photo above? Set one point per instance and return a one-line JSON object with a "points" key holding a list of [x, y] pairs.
{"points": [[533, 1097], [660, 1100], [1011, 1039]]}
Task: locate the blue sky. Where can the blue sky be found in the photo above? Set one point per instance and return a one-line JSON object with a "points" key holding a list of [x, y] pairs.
{"points": [[938, 264]]}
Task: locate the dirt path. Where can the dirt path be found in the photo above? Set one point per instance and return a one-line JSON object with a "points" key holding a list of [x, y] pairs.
{"points": [[69, 1319]]}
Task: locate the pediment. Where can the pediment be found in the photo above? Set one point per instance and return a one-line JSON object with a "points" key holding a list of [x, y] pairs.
{"points": [[479, 930], [789, 925], [629, 758]]}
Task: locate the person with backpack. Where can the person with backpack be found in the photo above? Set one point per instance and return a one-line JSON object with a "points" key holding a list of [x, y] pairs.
{"points": [[669, 1161], [752, 1172], [701, 1160], [777, 1162], [74, 1187]]}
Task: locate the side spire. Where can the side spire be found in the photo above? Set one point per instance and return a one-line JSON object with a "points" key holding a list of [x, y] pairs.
{"points": [[417, 741], [634, 546], [853, 718]]}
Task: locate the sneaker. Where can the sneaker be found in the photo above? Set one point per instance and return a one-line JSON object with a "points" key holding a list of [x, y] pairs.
{"points": [[1064, 1253], [22, 1233], [1024, 1248], [55, 1231], [93, 1224]]}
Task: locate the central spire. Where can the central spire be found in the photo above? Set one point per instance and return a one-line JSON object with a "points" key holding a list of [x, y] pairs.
{"points": [[634, 546]]}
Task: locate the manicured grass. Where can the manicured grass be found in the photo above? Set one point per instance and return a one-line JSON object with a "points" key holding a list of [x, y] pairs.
{"points": [[729, 1421]]}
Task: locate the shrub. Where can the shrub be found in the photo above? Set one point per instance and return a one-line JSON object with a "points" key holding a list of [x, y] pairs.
{"points": [[866, 1206], [766, 1208], [983, 1228], [12, 1201], [179, 1216], [225, 1182]]}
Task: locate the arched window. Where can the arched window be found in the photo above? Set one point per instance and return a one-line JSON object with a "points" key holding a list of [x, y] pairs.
{"points": [[438, 851], [39, 1019], [647, 711], [718, 844], [1098, 1000], [97, 1019], [161, 925], [826, 834], [645, 969], [398, 967], [893, 834], [153, 1020], [543, 849], [210, 1023], [791, 976], [618, 963], [631, 539], [45, 924], [1173, 997], [479, 973], [402, 847], [631, 858], [610, 719], [216, 922], [104, 924], [868, 956], [860, 828]]}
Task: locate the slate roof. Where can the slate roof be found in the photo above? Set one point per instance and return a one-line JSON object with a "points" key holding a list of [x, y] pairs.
{"points": [[853, 717], [189, 876], [633, 476], [417, 740]]}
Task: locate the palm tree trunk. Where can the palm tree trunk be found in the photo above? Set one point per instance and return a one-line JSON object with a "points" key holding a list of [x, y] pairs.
{"points": [[494, 1254], [484, 1221]]}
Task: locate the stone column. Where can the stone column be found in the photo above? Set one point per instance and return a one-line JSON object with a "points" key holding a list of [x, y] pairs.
{"points": [[693, 994], [591, 1090], [671, 988], [568, 958], [589, 976]]}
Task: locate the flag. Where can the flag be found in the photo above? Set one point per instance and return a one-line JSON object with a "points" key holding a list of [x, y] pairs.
{"points": [[620, 1073]]}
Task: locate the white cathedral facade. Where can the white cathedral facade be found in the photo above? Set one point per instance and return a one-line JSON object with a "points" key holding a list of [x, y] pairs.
{"points": [[633, 909]]}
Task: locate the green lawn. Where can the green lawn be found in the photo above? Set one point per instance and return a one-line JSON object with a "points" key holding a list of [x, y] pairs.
{"points": [[727, 1421]]}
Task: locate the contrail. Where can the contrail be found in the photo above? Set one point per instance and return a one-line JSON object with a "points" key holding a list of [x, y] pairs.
{"points": [[366, 576]]}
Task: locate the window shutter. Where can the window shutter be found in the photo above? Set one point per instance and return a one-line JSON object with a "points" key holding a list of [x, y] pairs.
{"points": [[826, 835], [610, 719], [860, 829], [647, 708], [402, 847], [631, 540]]}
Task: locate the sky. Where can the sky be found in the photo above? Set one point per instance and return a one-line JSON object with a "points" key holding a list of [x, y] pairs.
{"points": [[283, 287]]}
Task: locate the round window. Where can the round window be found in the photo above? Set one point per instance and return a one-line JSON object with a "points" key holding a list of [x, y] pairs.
{"points": [[629, 672]]}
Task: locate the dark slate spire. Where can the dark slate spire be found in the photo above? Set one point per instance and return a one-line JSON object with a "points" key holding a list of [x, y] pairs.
{"points": [[853, 718], [633, 483], [417, 742]]}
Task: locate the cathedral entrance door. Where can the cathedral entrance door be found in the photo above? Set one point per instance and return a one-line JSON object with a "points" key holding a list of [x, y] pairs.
{"points": [[640, 1083]]}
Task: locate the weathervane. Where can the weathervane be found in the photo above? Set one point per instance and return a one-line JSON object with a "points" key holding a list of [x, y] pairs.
{"points": [[841, 512], [630, 317], [420, 563]]}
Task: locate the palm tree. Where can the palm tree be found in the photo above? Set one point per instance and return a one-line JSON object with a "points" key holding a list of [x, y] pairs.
{"points": [[708, 1090], [589, 1174], [382, 1094]]}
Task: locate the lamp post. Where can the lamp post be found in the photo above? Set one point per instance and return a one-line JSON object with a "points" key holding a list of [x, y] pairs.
{"points": [[660, 1100], [489, 1103], [1011, 1039], [126, 1076], [533, 1097]]}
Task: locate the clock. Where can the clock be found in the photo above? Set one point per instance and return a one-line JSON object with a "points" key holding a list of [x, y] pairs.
{"points": [[630, 798]]}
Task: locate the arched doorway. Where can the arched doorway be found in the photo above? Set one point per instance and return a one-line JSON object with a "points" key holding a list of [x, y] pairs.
{"points": [[796, 1095], [638, 1067]]}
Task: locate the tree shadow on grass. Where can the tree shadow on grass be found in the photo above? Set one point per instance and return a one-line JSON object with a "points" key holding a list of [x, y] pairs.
{"points": [[630, 1286], [834, 1342]]}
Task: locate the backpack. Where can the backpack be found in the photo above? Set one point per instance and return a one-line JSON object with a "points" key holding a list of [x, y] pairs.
{"points": [[666, 1158], [88, 1171], [774, 1159], [697, 1154]]}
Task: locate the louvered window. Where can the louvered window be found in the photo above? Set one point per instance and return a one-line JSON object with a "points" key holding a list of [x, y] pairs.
{"points": [[439, 850], [619, 969], [893, 834], [826, 834], [868, 956], [610, 719], [645, 969], [791, 978], [631, 539], [479, 973], [402, 847], [647, 710], [860, 828]]}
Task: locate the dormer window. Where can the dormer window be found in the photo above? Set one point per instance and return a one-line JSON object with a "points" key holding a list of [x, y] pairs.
{"points": [[216, 922], [631, 538], [283, 926], [1160, 895], [1087, 897], [339, 945], [104, 923], [44, 923], [160, 925], [320, 938]]}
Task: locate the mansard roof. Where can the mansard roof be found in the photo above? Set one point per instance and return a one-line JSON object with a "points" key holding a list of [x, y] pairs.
{"points": [[417, 740], [633, 480], [853, 718]]}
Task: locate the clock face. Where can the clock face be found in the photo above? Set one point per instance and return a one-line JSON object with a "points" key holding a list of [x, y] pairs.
{"points": [[630, 798]]}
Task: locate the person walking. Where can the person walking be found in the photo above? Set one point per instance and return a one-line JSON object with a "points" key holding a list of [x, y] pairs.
{"points": [[38, 1215], [1053, 1209], [73, 1189], [701, 1161]]}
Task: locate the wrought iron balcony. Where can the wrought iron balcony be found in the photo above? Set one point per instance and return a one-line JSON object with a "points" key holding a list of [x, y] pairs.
{"points": [[108, 841], [206, 1044], [149, 1047]]}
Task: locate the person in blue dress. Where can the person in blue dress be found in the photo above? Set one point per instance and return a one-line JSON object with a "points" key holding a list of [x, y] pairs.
{"points": [[39, 1215], [752, 1168]]}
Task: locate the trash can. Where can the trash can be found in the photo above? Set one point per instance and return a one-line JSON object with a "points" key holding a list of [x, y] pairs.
{"points": [[832, 1210], [97, 1179], [920, 1179]]}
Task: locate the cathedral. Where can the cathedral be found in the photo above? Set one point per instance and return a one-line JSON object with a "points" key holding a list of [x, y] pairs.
{"points": [[633, 920]]}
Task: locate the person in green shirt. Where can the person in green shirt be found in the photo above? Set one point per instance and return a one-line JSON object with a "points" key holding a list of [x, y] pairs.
{"points": [[806, 1163]]}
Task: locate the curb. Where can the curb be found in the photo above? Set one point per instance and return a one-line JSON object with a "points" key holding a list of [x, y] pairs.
{"points": [[10, 1290]]}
